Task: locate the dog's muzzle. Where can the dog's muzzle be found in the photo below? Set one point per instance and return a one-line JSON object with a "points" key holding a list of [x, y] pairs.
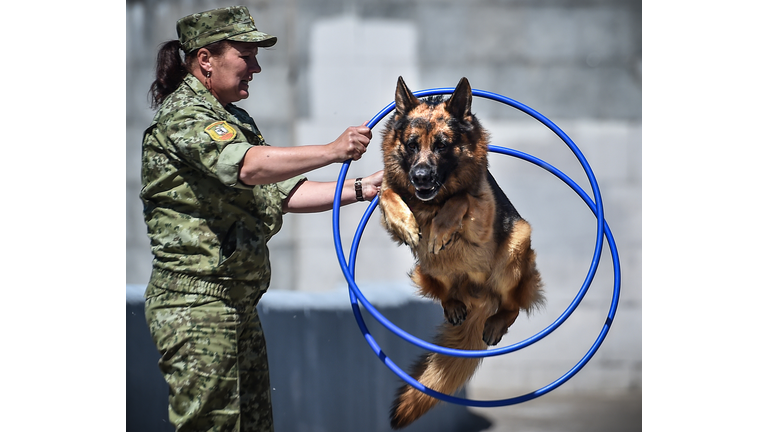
{"points": [[424, 178]]}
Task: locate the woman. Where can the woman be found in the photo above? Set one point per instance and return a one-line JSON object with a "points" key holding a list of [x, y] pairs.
{"points": [[214, 193]]}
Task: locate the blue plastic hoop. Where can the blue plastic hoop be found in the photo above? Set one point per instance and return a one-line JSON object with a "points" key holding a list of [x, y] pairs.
{"points": [[356, 296]]}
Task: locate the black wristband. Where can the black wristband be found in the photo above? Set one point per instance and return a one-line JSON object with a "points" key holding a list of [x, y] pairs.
{"points": [[359, 189]]}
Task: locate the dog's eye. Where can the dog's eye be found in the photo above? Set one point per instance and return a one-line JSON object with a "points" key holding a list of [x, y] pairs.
{"points": [[440, 145], [412, 145]]}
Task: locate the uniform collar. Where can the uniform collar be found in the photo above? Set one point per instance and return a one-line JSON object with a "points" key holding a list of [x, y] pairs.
{"points": [[199, 89]]}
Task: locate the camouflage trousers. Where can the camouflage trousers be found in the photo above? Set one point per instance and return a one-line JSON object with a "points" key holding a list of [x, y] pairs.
{"points": [[214, 358]]}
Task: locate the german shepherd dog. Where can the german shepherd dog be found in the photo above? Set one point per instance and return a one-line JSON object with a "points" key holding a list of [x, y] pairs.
{"points": [[472, 249]]}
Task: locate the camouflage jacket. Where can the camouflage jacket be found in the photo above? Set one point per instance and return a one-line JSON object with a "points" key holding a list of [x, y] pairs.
{"points": [[201, 220]]}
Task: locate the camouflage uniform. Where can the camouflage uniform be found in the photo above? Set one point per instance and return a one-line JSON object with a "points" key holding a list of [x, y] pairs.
{"points": [[209, 236]]}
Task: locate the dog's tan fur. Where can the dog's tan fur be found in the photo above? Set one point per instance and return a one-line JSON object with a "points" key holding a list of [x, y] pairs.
{"points": [[473, 251]]}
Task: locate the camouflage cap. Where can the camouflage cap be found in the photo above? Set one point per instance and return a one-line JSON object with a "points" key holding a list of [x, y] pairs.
{"points": [[231, 23]]}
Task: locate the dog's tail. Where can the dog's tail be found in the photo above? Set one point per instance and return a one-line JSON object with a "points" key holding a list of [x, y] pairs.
{"points": [[445, 374]]}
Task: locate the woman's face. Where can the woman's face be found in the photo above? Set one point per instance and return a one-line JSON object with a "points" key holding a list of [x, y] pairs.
{"points": [[232, 71]]}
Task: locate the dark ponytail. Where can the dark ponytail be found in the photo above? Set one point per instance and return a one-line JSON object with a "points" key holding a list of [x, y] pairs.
{"points": [[170, 72]]}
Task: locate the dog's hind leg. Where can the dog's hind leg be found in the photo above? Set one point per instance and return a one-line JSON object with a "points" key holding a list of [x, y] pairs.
{"points": [[455, 310], [496, 325], [517, 283]]}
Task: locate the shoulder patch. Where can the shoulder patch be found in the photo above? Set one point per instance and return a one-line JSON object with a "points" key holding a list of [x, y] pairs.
{"points": [[221, 131]]}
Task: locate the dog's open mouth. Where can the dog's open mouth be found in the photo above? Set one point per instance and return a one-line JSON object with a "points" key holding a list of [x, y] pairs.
{"points": [[426, 194]]}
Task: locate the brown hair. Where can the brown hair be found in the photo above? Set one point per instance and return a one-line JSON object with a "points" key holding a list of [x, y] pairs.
{"points": [[171, 69]]}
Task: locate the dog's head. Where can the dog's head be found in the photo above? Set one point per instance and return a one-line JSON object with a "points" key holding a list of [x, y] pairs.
{"points": [[434, 147]]}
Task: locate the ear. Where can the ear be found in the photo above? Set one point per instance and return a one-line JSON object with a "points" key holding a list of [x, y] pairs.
{"points": [[404, 99], [460, 103], [204, 60]]}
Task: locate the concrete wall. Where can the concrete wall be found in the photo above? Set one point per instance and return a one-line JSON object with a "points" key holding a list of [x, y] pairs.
{"points": [[578, 62]]}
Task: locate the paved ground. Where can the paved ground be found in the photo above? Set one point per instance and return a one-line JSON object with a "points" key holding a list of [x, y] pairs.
{"points": [[561, 413]]}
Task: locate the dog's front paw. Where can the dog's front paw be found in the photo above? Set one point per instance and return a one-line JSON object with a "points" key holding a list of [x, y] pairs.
{"points": [[405, 230], [439, 241], [411, 231], [447, 224], [443, 233], [398, 219]]}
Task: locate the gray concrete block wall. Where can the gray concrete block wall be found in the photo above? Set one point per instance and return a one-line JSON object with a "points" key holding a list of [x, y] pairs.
{"points": [[578, 62]]}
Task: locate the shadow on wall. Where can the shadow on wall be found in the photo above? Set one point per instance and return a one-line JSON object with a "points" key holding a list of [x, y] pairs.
{"points": [[324, 376]]}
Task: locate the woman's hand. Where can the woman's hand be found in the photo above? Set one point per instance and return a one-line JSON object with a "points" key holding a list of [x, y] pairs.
{"points": [[351, 144], [372, 185]]}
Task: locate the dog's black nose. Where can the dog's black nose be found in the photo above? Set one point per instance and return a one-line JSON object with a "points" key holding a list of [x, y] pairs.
{"points": [[422, 176]]}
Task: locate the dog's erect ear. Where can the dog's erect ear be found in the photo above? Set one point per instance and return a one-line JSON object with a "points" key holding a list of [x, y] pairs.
{"points": [[460, 103], [404, 99]]}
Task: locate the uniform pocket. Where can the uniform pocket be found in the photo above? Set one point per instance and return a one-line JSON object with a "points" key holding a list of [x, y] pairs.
{"points": [[229, 243], [243, 253], [237, 245]]}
